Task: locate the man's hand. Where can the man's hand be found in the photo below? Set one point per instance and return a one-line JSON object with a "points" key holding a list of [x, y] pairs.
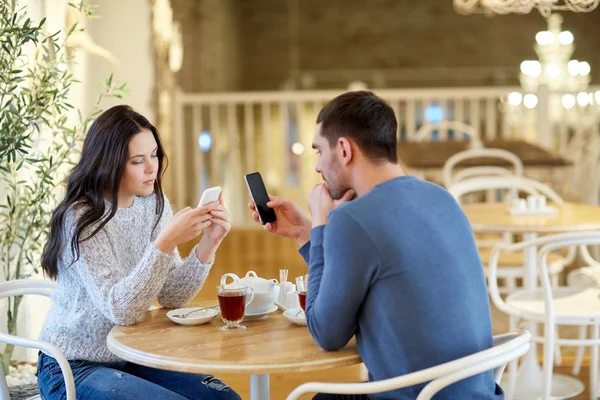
{"points": [[291, 222], [321, 203]]}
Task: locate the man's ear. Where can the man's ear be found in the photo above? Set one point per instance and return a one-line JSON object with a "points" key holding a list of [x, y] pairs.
{"points": [[345, 150]]}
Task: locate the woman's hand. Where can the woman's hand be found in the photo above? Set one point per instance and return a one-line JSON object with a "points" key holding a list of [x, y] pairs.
{"points": [[220, 226], [220, 222], [184, 226]]}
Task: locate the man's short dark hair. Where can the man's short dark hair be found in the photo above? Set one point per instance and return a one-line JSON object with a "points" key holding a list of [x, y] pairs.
{"points": [[365, 118]]}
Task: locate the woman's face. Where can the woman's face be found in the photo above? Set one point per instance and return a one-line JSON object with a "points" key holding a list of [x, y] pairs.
{"points": [[141, 168]]}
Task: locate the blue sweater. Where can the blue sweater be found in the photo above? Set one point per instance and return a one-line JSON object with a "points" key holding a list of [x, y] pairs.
{"points": [[399, 269]]}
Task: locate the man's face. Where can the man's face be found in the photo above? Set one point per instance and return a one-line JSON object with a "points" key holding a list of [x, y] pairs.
{"points": [[329, 166]]}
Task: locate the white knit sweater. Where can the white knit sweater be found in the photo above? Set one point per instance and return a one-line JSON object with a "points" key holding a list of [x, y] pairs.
{"points": [[117, 276]]}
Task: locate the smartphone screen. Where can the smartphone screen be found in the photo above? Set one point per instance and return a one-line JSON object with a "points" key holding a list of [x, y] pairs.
{"points": [[260, 197]]}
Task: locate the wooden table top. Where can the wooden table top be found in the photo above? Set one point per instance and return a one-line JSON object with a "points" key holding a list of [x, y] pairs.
{"points": [[434, 154], [270, 345], [494, 217]]}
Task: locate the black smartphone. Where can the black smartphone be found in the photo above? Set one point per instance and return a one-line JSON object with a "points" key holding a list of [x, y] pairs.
{"points": [[260, 197]]}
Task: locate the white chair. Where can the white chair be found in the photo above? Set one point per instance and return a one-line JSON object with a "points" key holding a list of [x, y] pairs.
{"points": [[511, 266], [508, 183], [575, 306], [44, 288], [423, 134], [586, 276], [507, 347], [450, 176]]}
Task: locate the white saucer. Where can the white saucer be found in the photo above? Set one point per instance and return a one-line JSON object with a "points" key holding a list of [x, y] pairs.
{"points": [[197, 318], [295, 315], [250, 317]]}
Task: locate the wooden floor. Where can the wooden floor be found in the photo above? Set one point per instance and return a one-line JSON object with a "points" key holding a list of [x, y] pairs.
{"points": [[266, 255]]}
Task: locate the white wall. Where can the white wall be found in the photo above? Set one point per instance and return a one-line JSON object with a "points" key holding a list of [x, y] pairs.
{"points": [[33, 309], [124, 28]]}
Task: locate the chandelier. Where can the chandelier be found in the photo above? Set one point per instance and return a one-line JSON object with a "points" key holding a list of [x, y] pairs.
{"points": [[545, 7], [555, 68], [566, 80]]}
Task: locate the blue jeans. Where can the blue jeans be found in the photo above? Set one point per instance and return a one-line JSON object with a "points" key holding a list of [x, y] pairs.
{"points": [[125, 381]]}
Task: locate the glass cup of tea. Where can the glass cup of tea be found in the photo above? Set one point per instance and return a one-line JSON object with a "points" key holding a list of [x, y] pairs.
{"points": [[302, 288], [233, 298]]}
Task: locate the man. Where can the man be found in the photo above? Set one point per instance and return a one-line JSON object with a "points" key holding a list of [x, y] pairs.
{"points": [[392, 258]]}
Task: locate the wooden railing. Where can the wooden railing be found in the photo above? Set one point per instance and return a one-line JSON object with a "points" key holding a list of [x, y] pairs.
{"points": [[255, 131]]}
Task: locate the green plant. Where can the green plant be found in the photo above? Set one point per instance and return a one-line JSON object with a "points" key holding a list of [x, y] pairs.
{"points": [[40, 136]]}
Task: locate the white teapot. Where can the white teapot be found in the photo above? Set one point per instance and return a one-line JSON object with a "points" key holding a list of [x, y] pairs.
{"points": [[266, 291]]}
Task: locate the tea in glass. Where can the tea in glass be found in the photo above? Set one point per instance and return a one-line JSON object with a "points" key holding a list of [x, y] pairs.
{"points": [[233, 298], [302, 288]]}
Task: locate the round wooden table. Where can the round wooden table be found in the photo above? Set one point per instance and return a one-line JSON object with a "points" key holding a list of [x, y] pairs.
{"points": [[269, 345], [495, 218]]}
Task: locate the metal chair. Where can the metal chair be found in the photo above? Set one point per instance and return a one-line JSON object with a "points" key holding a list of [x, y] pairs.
{"points": [[506, 348], [511, 266], [44, 288], [450, 176], [563, 305]]}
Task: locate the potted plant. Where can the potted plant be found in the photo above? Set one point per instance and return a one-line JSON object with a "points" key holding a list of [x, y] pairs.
{"points": [[40, 137]]}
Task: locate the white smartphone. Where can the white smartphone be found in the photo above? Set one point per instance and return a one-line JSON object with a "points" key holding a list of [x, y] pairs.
{"points": [[209, 195]]}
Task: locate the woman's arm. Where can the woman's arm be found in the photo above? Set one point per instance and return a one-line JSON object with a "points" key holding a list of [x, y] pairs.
{"points": [[122, 296], [185, 278]]}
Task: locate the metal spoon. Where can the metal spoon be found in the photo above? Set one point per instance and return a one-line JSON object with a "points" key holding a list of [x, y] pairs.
{"points": [[193, 311]]}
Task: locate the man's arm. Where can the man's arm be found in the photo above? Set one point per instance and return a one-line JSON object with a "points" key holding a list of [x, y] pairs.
{"points": [[304, 251], [342, 265]]}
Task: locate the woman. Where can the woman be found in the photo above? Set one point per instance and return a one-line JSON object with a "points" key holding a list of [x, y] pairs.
{"points": [[113, 249]]}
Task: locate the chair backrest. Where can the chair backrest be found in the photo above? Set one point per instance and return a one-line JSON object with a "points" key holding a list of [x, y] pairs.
{"points": [[509, 183], [587, 258], [450, 176], [423, 134], [588, 275], [44, 288], [506, 348]]}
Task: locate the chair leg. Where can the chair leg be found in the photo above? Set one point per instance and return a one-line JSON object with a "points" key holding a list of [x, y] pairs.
{"points": [[594, 363], [580, 351], [510, 284], [4, 393], [513, 365], [554, 280], [364, 373], [557, 352], [549, 347]]}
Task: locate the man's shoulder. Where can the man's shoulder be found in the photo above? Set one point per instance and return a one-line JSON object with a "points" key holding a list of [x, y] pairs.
{"points": [[386, 205], [394, 192]]}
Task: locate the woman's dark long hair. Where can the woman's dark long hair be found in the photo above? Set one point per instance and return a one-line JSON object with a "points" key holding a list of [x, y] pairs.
{"points": [[100, 169]]}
